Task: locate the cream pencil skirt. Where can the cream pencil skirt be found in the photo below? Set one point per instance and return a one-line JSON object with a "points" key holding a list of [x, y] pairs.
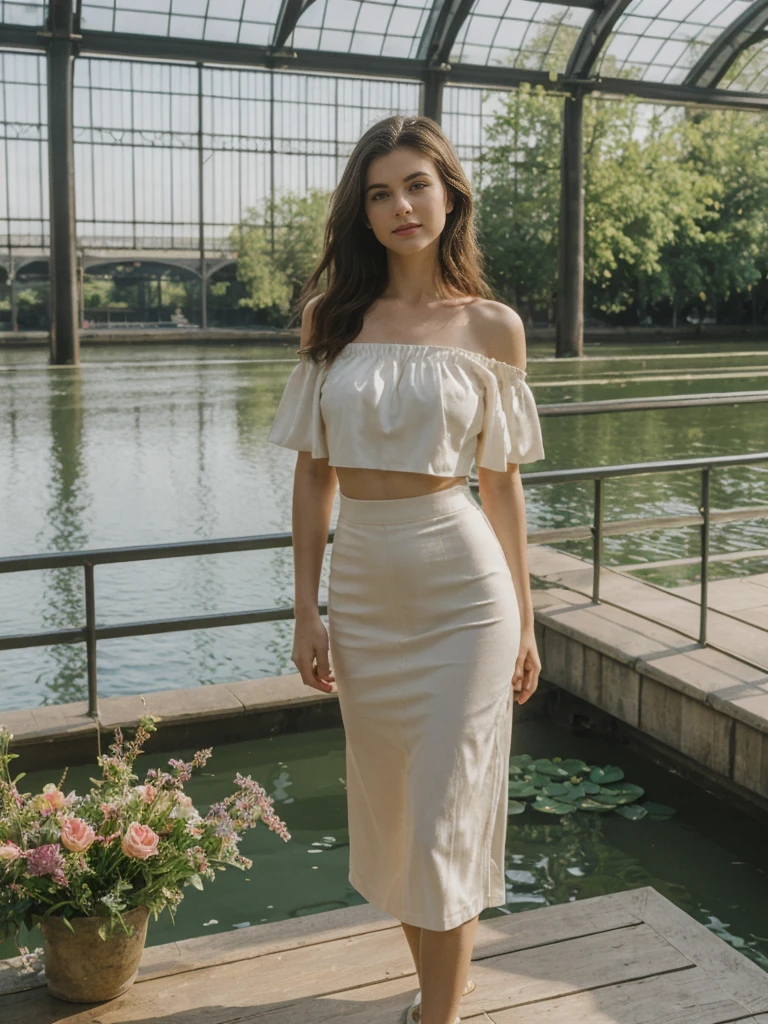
{"points": [[424, 631]]}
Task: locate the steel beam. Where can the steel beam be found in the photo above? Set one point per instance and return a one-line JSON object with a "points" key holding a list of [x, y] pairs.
{"points": [[290, 12], [748, 28], [445, 20], [570, 283], [65, 340], [432, 94], [201, 202], [593, 37], [369, 66]]}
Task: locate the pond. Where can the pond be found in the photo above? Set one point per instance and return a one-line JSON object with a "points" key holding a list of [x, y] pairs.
{"points": [[706, 859], [153, 444]]}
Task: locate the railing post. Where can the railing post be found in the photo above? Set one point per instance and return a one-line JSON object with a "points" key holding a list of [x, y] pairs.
{"points": [[704, 510], [597, 540], [90, 640]]}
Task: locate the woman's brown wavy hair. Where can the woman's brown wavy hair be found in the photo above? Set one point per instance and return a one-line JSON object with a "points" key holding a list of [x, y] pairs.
{"points": [[354, 263]]}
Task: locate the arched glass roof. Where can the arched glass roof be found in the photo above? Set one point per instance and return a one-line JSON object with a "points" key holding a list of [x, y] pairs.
{"points": [[667, 46]]}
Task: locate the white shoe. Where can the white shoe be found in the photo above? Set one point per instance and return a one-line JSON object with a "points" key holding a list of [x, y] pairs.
{"points": [[413, 1016]]}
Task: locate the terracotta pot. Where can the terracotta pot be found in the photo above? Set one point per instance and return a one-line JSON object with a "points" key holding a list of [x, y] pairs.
{"points": [[84, 968]]}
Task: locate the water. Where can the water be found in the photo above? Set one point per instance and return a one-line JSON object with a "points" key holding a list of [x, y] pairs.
{"points": [[150, 445], [706, 859]]}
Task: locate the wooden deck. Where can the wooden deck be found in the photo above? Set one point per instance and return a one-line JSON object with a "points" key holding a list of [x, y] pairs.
{"points": [[626, 958]]}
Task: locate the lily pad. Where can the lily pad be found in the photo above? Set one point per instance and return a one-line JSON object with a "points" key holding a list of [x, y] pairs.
{"points": [[573, 793], [611, 773], [590, 787], [604, 797], [539, 780], [591, 804], [552, 805], [633, 812], [515, 807], [658, 812], [574, 766], [624, 794], [555, 789], [520, 790], [546, 767], [520, 761]]}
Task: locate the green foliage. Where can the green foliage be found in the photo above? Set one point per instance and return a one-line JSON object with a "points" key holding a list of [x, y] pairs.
{"points": [[120, 845], [273, 277], [676, 201], [560, 787], [97, 292]]}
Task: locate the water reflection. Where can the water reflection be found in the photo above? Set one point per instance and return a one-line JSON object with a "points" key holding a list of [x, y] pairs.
{"points": [[64, 529], [569, 858], [707, 859], [151, 446]]}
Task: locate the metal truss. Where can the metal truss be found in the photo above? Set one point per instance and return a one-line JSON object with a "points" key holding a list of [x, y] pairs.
{"points": [[593, 38], [750, 28]]}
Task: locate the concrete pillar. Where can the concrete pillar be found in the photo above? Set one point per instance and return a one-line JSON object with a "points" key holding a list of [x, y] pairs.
{"points": [[570, 291], [65, 339]]}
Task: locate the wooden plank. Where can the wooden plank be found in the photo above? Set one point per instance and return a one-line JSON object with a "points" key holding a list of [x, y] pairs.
{"points": [[499, 934], [231, 991], [739, 978], [228, 947], [682, 997]]}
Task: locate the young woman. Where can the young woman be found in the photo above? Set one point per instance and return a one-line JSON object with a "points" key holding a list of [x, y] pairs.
{"points": [[409, 371]]}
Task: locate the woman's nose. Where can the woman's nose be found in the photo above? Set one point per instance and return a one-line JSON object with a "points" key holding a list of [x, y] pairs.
{"points": [[402, 205]]}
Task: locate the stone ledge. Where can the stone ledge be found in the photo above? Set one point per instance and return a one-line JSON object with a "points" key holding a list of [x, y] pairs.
{"points": [[704, 705], [64, 733], [655, 652]]}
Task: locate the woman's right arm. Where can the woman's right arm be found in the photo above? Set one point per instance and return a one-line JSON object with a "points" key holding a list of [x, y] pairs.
{"points": [[314, 490]]}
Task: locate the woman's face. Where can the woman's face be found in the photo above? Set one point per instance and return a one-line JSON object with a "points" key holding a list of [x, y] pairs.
{"points": [[404, 187]]}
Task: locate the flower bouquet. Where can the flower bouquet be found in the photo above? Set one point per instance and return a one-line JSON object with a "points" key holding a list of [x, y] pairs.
{"points": [[90, 868]]}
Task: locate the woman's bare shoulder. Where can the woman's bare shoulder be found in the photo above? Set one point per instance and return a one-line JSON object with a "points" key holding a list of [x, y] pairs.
{"points": [[498, 331]]}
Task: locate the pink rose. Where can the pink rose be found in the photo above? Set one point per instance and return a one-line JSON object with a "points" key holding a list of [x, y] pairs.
{"points": [[139, 841], [76, 834], [147, 793], [9, 852]]}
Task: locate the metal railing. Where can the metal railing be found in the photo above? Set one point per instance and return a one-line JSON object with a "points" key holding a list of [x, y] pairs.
{"points": [[90, 633]]}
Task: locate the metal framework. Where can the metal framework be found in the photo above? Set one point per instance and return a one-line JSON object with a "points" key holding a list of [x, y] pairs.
{"points": [[387, 55], [91, 633], [750, 29]]}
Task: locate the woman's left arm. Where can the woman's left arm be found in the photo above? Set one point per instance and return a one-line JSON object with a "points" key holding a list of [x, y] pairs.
{"points": [[503, 502], [501, 494]]}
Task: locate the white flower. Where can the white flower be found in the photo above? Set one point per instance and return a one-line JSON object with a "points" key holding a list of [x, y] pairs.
{"points": [[184, 808]]}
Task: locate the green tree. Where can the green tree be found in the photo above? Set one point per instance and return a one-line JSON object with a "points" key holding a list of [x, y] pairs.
{"points": [[644, 201], [675, 202], [731, 148], [519, 198], [274, 276]]}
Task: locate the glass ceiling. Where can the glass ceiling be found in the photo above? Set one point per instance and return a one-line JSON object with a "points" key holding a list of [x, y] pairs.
{"points": [[656, 41]]}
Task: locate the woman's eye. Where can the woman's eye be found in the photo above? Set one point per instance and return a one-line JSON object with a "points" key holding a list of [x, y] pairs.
{"points": [[421, 183]]}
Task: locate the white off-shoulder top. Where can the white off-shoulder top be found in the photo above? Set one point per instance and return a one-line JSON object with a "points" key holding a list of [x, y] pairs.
{"points": [[415, 408]]}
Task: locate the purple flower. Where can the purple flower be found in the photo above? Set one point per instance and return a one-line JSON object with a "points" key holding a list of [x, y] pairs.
{"points": [[46, 860]]}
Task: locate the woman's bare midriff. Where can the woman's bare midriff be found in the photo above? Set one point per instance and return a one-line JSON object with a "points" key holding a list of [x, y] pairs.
{"points": [[374, 484]]}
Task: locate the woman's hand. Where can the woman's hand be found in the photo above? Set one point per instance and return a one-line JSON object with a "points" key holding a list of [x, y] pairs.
{"points": [[310, 654], [527, 667]]}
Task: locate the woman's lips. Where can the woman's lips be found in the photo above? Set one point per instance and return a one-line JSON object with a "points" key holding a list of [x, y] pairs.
{"points": [[407, 230]]}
